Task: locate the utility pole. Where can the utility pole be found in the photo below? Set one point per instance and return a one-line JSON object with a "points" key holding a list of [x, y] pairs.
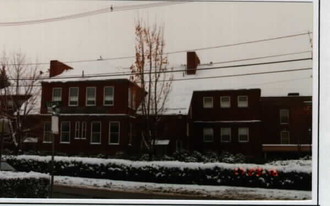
{"points": [[54, 131]]}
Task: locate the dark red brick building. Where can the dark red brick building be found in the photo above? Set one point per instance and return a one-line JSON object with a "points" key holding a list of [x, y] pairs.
{"points": [[98, 114]]}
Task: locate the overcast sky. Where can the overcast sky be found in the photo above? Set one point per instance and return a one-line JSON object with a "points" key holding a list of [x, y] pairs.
{"points": [[188, 26]]}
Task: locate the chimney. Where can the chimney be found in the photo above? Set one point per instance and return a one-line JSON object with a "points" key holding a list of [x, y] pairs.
{"points": [[57, 68], [192, 62], [293, 94]]}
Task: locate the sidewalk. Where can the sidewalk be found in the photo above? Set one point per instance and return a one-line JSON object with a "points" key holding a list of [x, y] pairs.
{"points": [[102, 188]]}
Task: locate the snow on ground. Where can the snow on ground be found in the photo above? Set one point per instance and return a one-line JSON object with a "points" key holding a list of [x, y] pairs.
{"points": [[21, 175], [288, 167], [211, 192]]}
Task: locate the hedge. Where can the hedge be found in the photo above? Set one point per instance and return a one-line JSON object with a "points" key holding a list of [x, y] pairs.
{"points": [[171, 172], [23, 185]]}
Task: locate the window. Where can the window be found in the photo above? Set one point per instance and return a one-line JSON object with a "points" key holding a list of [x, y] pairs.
{"points": [[225, 134], [65, 132], [57, 94], [108, 96], [90, 96], [225, 102], [242, 101], [285, 137], [208, 102], [73, 96], [77, 130], [47, 132], [114, 132], [243, 134], [96, 133], [83, 130], [208, 134], [284, 116]]}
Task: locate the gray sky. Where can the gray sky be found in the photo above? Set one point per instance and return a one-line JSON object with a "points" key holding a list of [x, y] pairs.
{"points": [[187, 26]]}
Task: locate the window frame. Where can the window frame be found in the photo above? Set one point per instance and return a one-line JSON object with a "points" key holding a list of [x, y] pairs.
{"points": [[83, 130], [205, 134], [224, 105], [100, 133], [69, 99], [53, 93], [247, 134], [222, 129], [69, 133], [288, 136], [87, 99], [240, 103], [288, 116], [109, 140], [204, 103], [111, 99], [77, 134]]}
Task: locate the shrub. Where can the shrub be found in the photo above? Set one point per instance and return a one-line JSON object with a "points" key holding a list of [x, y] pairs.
{"points": [[280, 177], [23, 185]]}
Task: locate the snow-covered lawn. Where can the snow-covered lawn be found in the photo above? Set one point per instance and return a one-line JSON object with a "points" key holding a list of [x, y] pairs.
{"points": [[211, 192]]}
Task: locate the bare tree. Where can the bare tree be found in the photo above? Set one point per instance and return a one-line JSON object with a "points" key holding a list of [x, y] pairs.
{"points": [[151, 73], [20, 95]]}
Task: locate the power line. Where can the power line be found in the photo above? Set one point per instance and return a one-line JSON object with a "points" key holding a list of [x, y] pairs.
{"points": [[227, 76], [183, 51], [171, 71], [183, 70], [246, 42], [246, 74], [89, 13]]}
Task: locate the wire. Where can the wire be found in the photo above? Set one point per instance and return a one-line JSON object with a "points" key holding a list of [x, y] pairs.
{"points": [[170, 71], [181, 51], [227, 76], [183, 70], [89, 13]]}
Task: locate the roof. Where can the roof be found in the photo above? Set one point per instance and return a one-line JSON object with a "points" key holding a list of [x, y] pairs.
{"points": [[208, 77], [92, 71], [274, 84]]}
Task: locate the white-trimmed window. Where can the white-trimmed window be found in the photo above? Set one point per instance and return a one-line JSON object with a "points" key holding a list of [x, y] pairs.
{"points": [[95, 132], [65, 132], [225, 133], [285, 137], [57, 94], [108, 96], [114, 133], [207, 102], [90, 96], [83, 130], [243, 134], [73, 96], [208, 134], [225, 102], [284, 116], [242, 101], [47, 133], [77, 130]]}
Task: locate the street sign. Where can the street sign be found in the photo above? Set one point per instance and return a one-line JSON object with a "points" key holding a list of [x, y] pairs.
{"points": [[55, 129]]}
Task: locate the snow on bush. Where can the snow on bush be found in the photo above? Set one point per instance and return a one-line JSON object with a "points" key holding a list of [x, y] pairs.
{"points": [[23, 184], [288, 177]]}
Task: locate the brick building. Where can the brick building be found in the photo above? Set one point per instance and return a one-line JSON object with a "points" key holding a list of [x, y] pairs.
{"points": [[99, 113]]}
